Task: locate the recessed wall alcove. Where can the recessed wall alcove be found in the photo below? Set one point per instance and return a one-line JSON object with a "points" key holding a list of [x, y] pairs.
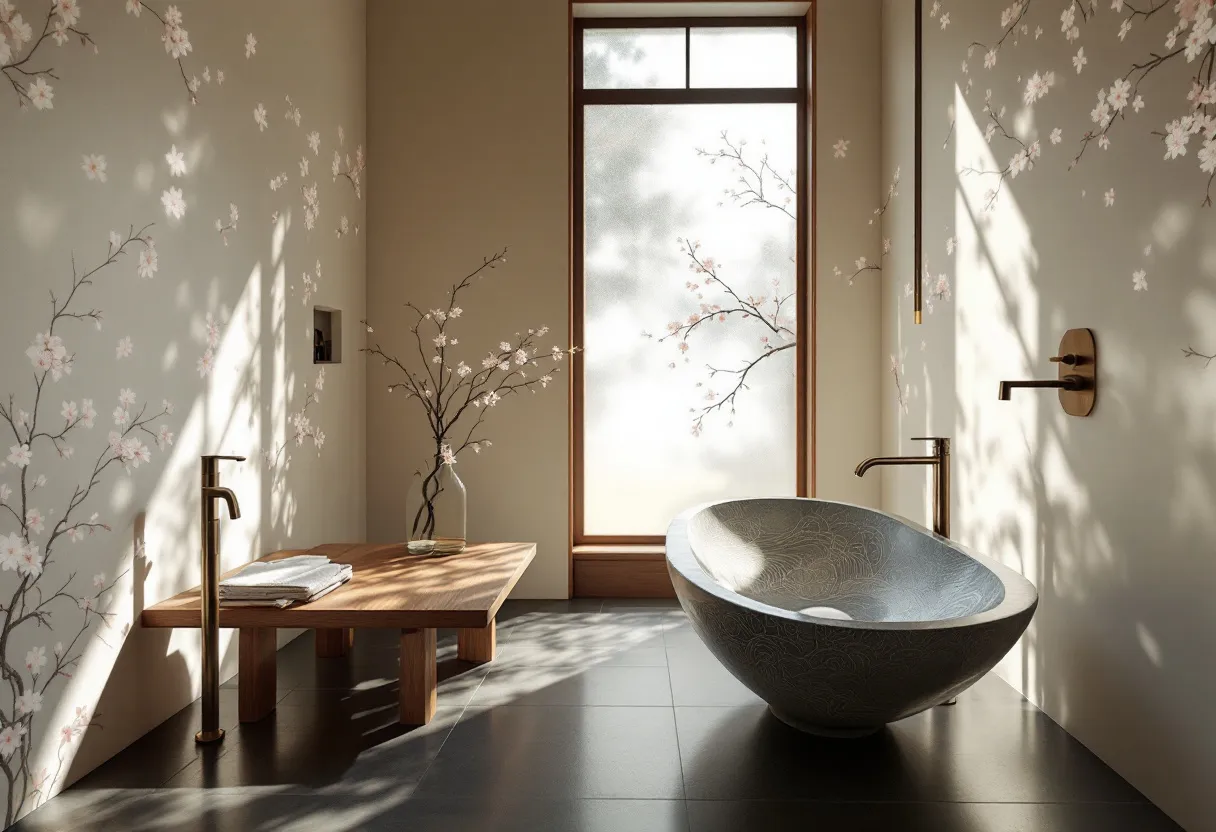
{"points": [[327, 335]]}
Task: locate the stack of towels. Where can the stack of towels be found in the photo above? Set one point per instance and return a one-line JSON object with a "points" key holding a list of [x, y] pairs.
{"points": [[281, 583]]}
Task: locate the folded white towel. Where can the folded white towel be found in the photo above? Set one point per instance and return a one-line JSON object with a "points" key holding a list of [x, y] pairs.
{"points": [[285, 572], [297, 578], [280, 603]]}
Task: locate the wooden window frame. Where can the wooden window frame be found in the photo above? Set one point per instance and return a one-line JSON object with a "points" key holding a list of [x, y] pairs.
{"points": [[801, 96]]}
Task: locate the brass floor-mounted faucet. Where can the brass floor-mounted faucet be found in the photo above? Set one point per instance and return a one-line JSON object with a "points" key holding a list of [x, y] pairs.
{"points": [[940, 460], [212, 732]]}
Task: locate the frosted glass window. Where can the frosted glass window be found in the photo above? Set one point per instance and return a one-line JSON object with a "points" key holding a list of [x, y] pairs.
{"points": [[744, 57], [633, 59], [652, 174]]}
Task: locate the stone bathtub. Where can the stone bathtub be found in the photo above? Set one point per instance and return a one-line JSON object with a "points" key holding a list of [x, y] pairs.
{"points": [[842, 618]]}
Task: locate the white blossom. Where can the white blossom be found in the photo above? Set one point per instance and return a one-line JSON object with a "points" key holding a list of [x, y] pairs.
{"points": [[251, 45], [10, 739], [1207, 157], [175, 205], [177, 162], [11, 548], [29, 702], [94, 167], [41, 94], [1177, 135], [35, 659], [148, 260], [1079, 60]]}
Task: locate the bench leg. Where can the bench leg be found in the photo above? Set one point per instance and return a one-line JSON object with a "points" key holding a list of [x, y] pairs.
{"points": [[256, 686], [476, 644], [333, 644], [417, 676]]}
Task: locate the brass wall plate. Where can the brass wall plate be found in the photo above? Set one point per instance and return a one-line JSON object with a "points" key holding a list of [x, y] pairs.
{"points": [[1079, 342]]}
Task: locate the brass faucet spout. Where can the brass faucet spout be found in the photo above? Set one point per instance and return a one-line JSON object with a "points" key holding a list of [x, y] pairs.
{"points": [[215, 492], [894, 460], [1067, 383], [940, 461]]}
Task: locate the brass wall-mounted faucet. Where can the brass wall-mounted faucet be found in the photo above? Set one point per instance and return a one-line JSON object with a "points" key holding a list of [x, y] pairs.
{"points": [[211, 491], [1078, 374], [940, 460]]}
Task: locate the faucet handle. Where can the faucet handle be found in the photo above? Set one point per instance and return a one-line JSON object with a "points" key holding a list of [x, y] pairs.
{"points": [[941, 444]]}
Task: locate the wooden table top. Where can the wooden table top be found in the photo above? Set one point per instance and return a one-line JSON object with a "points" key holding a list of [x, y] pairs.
{"points": [[389, 588]]}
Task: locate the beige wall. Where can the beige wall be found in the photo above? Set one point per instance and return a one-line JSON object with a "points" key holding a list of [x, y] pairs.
{"points": [[1109, 516], [468, 115], [848, 191], [129, 103]]}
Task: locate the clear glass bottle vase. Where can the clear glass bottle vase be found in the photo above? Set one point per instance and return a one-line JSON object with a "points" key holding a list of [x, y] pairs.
{"points": [[436, 512]]}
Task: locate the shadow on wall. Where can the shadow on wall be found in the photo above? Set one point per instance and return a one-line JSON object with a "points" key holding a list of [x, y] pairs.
{"points": [[238, 414], [1109, 516]]}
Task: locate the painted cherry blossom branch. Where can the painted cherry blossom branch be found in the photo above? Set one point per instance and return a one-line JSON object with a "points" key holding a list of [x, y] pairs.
{"points": [[863, 264], [21, 552], [899, 388], [175, 38], [352, 173], [15, 33], [301, 425], [1021, 161], [1011, 20]]}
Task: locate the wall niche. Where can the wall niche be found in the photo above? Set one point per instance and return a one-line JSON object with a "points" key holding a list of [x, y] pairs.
{"points": [[326, 335]]}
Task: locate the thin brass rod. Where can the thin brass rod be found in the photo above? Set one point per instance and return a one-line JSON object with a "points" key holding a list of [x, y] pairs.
{"points": [[917, 178]]}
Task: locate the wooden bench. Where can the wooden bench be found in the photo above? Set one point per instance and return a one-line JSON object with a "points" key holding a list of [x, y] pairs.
{"points": [[389, 588]]}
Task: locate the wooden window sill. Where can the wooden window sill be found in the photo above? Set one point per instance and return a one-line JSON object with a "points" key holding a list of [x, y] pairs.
{"points": [[620, 551]]}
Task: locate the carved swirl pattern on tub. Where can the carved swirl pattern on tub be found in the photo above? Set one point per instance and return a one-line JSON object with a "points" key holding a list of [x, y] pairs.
{"points": [[836, 561], [823, 675]]}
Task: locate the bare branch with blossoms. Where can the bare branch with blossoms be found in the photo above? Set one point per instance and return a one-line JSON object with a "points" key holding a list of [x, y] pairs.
{"points": [[759, 183], [1190, 352], [23, 551], [456, 397], [756, 181]]}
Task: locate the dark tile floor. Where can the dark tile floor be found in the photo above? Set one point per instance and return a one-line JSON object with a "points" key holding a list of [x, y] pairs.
{"points": [[609, 717]]}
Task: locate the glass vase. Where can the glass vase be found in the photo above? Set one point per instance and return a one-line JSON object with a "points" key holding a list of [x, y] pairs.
{"points": [[436, 512]]}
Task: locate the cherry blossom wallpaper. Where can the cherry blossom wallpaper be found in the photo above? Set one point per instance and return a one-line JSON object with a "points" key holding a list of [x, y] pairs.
{"points": [[181, 184], [1069, 156]]}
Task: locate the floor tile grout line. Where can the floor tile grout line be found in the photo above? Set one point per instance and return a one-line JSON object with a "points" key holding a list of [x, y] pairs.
{"points": [[675, 728], [464, 708]]}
